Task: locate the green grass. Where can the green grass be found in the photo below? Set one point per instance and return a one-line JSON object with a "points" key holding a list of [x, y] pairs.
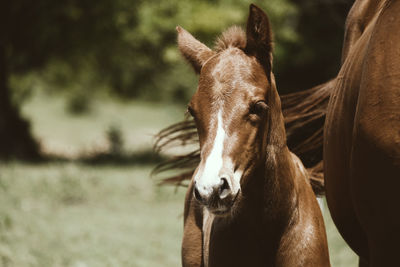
{"points": [[70, 214], [340, 254], [73, 215], [67, 135]]}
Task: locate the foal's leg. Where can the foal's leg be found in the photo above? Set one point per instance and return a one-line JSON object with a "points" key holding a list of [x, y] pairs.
{"points": [[192, 248]]}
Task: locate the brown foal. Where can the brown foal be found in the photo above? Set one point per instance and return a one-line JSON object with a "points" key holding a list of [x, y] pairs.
{"points": [[249, 202]]}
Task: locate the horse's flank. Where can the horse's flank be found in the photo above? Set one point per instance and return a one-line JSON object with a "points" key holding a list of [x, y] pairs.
{"points": [[362, 137]]}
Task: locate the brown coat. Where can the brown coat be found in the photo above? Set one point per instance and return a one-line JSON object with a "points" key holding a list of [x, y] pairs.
{"points": [[250, 202]]}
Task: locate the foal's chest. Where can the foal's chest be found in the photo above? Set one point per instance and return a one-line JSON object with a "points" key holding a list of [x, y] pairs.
{"points": [[231, 243]]}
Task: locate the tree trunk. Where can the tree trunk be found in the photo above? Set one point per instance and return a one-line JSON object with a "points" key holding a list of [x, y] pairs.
{"points": [[16, 141]]}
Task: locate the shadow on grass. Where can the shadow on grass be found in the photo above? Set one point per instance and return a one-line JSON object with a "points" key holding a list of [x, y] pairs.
{"points": [[115, 154], [144, 157]]}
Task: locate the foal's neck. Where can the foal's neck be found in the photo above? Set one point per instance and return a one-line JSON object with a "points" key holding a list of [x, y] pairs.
{"points": [[279, 187], [274, 204], [279, 173], [279, 192]]}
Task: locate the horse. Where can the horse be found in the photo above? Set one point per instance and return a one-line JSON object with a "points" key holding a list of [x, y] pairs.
{"points": [[355, 117], [249, 202], [362, 134]]}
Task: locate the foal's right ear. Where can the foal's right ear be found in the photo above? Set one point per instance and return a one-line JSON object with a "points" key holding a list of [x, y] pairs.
{"points": [[195, 52], [259, 37]]}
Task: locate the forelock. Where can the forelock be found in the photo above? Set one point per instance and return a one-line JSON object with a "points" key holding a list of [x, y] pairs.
{"points": [[232, 37]]}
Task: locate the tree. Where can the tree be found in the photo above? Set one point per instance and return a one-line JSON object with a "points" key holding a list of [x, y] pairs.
{"points": [[315, 57], [32, 33], [128, 46]]}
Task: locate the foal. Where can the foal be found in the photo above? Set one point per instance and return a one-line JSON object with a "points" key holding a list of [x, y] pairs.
{"points": [[250, 202]]}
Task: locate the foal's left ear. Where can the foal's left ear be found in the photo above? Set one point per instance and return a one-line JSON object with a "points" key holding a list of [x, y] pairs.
{"points": [[259, 37]]}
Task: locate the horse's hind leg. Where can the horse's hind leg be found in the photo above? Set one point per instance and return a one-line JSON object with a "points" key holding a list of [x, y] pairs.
{"points": [[375, 185]]}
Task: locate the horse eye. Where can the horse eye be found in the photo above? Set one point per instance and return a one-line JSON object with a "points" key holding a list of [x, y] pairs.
{"points": [[258, 108]]}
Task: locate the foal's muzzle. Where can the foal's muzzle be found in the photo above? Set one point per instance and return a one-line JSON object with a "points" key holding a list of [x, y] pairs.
{"points": [[218, 198]]}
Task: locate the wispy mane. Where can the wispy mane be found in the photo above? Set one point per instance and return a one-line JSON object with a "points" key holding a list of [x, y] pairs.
{"points": [[232, 37]]}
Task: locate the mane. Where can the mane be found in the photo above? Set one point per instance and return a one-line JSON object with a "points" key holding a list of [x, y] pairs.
{"points": [[232, 37]]}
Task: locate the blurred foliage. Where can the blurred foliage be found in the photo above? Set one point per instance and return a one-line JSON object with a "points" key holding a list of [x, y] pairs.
{"points": [[315, 56], [78, 104], [115, 139], [128, 47]]}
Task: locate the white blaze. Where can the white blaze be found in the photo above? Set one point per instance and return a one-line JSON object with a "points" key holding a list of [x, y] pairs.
{"points": [[208, 176]]}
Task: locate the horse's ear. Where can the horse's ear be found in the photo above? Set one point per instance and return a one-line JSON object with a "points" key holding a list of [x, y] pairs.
{"points": [[195, 52], [259, 37]]}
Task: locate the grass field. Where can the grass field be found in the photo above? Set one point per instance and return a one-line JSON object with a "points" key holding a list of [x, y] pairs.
{"points": [[72, 214], [62, 133]]}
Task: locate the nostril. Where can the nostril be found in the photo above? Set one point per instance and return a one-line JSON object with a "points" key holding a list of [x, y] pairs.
{"points": [[197, 195], [224, 188], [224, 183]]}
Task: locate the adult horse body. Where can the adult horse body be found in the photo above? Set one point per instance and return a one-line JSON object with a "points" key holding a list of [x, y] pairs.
{"points": [[362, 134], [249, 202]]}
